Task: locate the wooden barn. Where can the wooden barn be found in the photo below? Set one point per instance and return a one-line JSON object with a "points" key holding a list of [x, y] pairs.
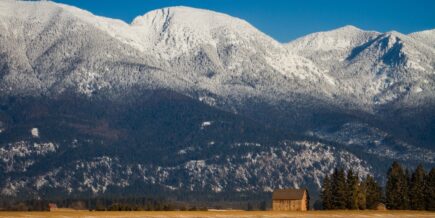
{"points": [[52, 207], [290, 200]]}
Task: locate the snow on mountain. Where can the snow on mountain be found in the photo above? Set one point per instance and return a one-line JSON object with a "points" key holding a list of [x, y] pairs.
{"points": [[179, 30], [19, 156], [199, 50], [342, 39], [399, 67], [427, 37], [222, 54], [372, 68], [206, 55], [48, 50], [375, 142], [298, 164], [52, 54]]}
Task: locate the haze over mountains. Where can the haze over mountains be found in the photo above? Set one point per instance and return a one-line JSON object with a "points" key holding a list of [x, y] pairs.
{"points": [[191, 100]]}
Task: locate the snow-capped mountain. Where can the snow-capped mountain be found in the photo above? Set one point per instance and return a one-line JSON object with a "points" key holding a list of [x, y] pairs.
{"points": [[186, 99], [220, 54], [388, 75], [373, 68]]}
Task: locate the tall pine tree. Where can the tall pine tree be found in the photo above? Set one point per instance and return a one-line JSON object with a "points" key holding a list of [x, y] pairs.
{"points": [[396, 191], [352, 183], [326, 194], [338, 189], [406, 201], [308, 199], [417, 189], [430, 190], [373, 192], [362, 196]]}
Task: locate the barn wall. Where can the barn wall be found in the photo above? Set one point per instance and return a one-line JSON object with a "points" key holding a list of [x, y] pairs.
{"points": [[304, 206], [287, 205], [290, 205]]}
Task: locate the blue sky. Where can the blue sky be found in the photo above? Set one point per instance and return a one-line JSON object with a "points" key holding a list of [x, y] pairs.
{"points": [[285, 20]]}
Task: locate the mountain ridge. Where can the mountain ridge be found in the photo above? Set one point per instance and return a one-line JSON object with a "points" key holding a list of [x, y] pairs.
{"points": [[165, 99]]}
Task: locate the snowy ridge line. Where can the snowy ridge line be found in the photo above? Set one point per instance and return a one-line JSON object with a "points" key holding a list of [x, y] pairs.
{"points": [[194, 50]]}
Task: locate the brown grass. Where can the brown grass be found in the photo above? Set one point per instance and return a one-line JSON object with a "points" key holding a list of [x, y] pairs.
{"points": [[221, 214]]}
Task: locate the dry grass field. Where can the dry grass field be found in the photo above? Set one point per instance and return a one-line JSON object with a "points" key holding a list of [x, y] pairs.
{"points": [[221, 214]]}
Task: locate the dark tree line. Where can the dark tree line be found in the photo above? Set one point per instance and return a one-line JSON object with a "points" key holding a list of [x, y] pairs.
{"points": [[99, 204], [155, 201], [29, 205], [259, 206], [403, 190], [410, 191], [344, 190], [121, 204]]}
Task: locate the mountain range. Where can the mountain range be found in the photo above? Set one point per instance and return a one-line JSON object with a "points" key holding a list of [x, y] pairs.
{"points": [[193, 101]]}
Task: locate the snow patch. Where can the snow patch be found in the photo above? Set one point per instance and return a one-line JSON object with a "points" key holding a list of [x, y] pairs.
{"points": [[35, 132], [206, 124], [418, 89]]}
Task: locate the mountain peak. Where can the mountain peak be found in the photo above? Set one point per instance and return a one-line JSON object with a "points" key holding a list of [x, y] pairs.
{"points": [[184, 9], [181, 30], [342, 38], [348, 28], [347, 31], [394, 33], [187, 16]]}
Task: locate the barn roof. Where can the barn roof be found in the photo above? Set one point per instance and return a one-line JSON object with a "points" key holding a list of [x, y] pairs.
{"points": [[288, 194]]}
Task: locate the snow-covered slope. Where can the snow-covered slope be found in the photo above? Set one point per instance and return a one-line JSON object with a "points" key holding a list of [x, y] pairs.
{"points": [[261, 168], [373, 68], [427, 37], [48, 50], [332, 45], [199, 50], [206, 55]]}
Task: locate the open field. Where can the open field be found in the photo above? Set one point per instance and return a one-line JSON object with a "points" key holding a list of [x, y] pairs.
{"points": [[220, 214]]}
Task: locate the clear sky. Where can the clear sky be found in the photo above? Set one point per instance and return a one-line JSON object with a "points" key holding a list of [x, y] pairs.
{"points": [[285, 20]]}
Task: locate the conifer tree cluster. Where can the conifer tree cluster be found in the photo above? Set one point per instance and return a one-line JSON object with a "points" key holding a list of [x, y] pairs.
{"points": [[403, 190], [410, 191], [345, 190]]}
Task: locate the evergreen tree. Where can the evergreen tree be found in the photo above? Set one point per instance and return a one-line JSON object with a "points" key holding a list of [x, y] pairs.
{"points": [[263, 205], [396, 191], [361, 196], [406, 201], [373, 192], [338, 189], [326, 194], [352, 183], [417, 189], [250, 207], [430, 190], [308, 200]]}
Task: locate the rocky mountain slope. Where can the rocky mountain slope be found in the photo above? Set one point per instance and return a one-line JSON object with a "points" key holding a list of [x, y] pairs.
{"points": [[375, 69], [191, 100], [390, 75]]}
